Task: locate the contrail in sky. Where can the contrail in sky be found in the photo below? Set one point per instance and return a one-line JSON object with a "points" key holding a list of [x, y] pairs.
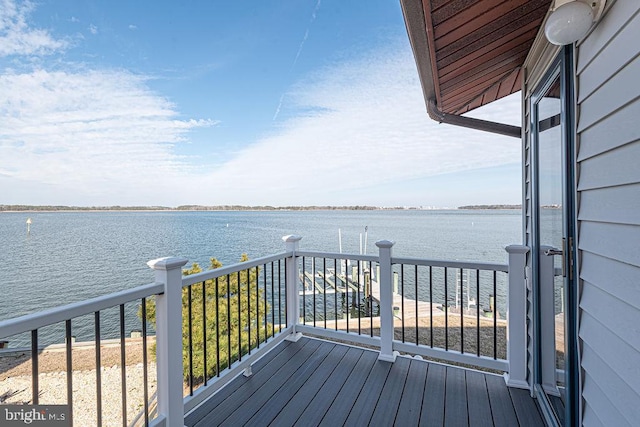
{"points": [[306, 33], [275, 116], [304, 39]]}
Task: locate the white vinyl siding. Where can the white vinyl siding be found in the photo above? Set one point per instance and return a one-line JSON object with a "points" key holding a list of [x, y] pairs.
{"points": [[608, 134]]}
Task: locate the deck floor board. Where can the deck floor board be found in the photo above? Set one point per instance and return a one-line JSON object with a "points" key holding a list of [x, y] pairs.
{"points": [[290, 390], [363, 408], [501, 405], [455, 403], [281, 353], [313, 382], [433, 397], [411, 400], [478, 400], [389, 401], [283, 363], [307, 391], [347, 395], [319, 405], [526, 409]]}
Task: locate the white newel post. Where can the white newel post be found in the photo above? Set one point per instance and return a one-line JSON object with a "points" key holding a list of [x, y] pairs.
{"points": [[292, 244], [517, 317], [169, 339], [386, 301]]}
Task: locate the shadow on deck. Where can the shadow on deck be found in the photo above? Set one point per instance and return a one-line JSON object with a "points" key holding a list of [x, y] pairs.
{"points": [[314, 382]]}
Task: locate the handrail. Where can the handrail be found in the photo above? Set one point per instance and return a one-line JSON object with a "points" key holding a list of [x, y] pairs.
{"points": [[472, 265], [337, 255], [233, 268], [30, 322]]}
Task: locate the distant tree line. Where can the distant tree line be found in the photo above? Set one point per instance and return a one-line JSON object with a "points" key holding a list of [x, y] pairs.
{"points": [[49, 208], [491, 207], [13, 208], [271, 208], [31, 208]]}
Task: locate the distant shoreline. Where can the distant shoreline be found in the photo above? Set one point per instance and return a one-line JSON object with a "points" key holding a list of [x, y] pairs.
{"points": [[232, 208], [490, 207]]}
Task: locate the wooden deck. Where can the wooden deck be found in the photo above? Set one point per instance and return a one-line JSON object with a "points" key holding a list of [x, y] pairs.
{"points": [[314, 382]]}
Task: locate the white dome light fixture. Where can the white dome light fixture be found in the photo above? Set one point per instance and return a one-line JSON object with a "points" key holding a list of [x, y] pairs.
{"points": [[571, 20]]}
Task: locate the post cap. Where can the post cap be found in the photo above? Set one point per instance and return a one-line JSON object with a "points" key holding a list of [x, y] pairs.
{"points": [[167, 263], [517, 249], [291, 238], [385, 244]]}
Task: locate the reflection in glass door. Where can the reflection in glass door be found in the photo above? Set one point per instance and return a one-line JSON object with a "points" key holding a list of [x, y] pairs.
{"points": [[551, 236]]}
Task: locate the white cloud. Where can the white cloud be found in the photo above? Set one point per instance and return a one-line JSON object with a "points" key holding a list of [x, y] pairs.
{"points": [[96, 135], [17, 38], [83, 136], [93, 29], [357, 126], [356, 131], [133, 27]]}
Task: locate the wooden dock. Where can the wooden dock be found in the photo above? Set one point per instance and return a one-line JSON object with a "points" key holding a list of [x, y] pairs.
{"points": [[404, 307]]}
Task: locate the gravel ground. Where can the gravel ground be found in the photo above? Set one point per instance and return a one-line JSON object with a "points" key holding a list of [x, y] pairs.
{"points": [[15, 382]]}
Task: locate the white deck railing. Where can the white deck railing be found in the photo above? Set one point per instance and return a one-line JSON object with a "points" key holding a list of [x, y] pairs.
{"points": [[281, 281], [67, 315], [414, 309]]}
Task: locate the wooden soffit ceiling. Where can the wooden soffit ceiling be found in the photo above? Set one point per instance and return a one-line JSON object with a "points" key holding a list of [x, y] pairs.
{"points": [[470, 52]]}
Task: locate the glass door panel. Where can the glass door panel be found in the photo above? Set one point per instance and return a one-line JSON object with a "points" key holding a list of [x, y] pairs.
{"points": [[550, 206], [552, 238]]}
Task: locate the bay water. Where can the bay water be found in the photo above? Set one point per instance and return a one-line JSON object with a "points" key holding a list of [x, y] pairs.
{"points": [[73, 256]]}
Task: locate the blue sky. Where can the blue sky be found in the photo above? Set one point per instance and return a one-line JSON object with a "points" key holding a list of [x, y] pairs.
{"points": [[290, 102]]}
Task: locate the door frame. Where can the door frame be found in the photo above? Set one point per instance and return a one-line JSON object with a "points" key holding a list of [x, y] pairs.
{"points": [[562, 67]]}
